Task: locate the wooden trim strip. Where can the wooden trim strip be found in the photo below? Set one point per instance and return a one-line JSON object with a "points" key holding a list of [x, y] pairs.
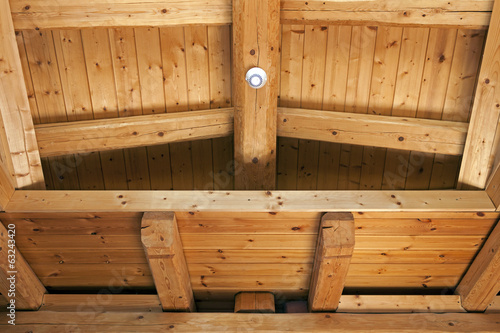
{"points": [[424, 135], [130, 132], [249, 201]]}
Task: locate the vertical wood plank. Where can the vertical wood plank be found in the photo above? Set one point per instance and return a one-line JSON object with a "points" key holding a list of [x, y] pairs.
{"points": [[29, 289], [162, 244], [292, 53], [256, 33], [331, 263], [493, 187]]}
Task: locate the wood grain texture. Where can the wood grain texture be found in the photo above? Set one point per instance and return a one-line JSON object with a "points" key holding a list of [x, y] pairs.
{"points": [[493, 187], [256, 43], [17, 137], [393, 132], [331, 262], [247, 302], [163, 247], [99, 13], [479, 153], [481, 283], [28, 291], [112, 134], [6, 186], [250, 201], [47, 321]]}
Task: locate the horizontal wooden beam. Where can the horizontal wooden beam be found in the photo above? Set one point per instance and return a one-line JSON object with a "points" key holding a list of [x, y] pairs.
{"points": [[45, 321], [347, 304], [249, 201], [331, 261], [424, 135], [481, 283], [45, 14], [162, 244], [118, 133], [18, 283]]}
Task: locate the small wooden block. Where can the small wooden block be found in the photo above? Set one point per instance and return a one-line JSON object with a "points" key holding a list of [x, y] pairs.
{"points": [[248, 302]]}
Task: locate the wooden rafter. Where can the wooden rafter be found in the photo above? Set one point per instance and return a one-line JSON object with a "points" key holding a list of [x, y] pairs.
{"points": [[251, 302], [493, 187], [17, 136], [331, 262], [430, 136], [25, 289], [480, 147], [229, 322], [249, 201], [109, 134], [162, 244], [256, 43], [481, 283], [45, 14]]}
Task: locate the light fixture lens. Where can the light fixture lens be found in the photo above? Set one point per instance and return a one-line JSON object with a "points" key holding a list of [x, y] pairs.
{"points": [[256, 77]]}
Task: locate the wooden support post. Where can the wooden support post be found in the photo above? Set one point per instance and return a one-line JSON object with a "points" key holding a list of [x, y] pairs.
{"points": [[481, 283], [18, 283], [477, 161], [331, 262], [248, 302], [19, 150], [493, 187], [256, 32], [162, 244]]}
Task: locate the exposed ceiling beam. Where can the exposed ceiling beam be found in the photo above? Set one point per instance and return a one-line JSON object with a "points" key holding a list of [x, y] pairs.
{"points": [[478, 158], [6, 186], [87, 303], [256, 43], [331, 262], [425, 135], [25, 288], [17, 136], [481, 283], [162, 243], [43, 321], [249, 201], [48, 14], [493, 187], [254, 302], [129, 132]]}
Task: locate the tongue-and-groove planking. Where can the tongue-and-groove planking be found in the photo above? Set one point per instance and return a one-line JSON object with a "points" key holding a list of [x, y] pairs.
{"points": [[228, 253]]}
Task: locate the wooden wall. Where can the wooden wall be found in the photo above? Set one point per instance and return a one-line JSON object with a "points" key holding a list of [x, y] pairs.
{"points": [[411, 72], [103, 73], [227, 253]]}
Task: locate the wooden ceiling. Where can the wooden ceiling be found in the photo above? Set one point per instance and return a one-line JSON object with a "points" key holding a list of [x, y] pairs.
{"points": [[136, 162]]}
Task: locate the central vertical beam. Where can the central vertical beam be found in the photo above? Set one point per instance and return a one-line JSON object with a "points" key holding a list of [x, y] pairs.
{"points": [[162, 244], [256, 34], [18, 146], [331, 262]]}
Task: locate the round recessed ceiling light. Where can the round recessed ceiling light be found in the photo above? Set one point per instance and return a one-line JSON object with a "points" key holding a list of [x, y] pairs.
{"points": [[256, 77]]}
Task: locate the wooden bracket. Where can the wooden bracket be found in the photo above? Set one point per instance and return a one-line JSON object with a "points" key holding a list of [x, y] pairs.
{"points": [[162, 244], [331, 263], [249, 302]]}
